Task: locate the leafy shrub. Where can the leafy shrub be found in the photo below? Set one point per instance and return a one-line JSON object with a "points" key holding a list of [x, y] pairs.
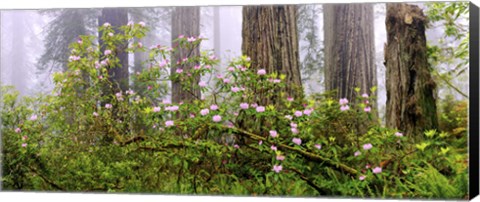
{"points": [[247, 137]]}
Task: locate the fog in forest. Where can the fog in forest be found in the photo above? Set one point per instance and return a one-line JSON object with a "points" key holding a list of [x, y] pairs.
{"points": [[23, 39]]}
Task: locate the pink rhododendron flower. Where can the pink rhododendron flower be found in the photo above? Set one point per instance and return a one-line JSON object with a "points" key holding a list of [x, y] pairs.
{"points": [[24, 145], [276, 80], [172, 108], [254, 105], [107, 52], [277, 168], [217, 118], [248, 59], [219, 76], [261, 72], [294, 130], [169, 123], [192, 115], [367, 146], [142, 24], [377, 170], [202, 84], [208, 66], [95, 114], [273, 133], [103, 62], [213, 107], [212, 57], [119, 96], [108, 106], [244, 105], [344, 108], [343, 101], [288, 117], [110, 34], [156, 109], [367, 109], [33, 117], [236, 146], [179, 71], [398, 134], [162, 63], [297, 141], [298, 113], [273, 147], [80, 41], [226, 80], [362, 177], [280, 157], [318, 146], [18, 130], [260, 142], [260, 109], [293, 125], [24, 137], [231, 69], [307, 112], [106, 24], [130, 23], [357, 153], [74, 58], [365, 95], [166, 102], [204, 112]]}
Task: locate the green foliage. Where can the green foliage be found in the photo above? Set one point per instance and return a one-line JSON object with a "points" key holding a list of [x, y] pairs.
{"points": [[86, 136], [449, 56]]}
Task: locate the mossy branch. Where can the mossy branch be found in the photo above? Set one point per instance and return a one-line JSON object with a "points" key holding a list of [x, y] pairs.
{"points": [[307, 155]]}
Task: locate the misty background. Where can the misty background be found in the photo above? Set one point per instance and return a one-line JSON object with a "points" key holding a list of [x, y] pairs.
{"points": [[24, 40]]}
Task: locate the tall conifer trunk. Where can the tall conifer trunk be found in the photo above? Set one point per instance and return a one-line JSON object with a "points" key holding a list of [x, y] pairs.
{"points": [[349, 49], [411, 105]]}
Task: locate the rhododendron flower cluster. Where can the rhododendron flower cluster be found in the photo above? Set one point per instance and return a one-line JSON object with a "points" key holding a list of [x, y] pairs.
{"points": [[344, 104]]}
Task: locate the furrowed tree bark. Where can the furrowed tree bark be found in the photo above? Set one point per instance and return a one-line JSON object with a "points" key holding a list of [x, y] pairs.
{"points": [[185, 21], [411, 105], [117, 17], [349, 49], [270, 40]]}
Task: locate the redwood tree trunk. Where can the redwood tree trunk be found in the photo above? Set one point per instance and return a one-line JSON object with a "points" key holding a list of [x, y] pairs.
{"points": [[185, 21], [349, 49], [411, 105], [269, 38], [117, 17]]}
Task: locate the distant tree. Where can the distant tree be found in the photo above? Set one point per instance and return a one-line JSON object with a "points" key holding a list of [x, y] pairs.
{"points": [[158, 22], [217, 32], [116, 17], [66, 26], [411, 105], [185, 21], [349, 49], [311, 63]]}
